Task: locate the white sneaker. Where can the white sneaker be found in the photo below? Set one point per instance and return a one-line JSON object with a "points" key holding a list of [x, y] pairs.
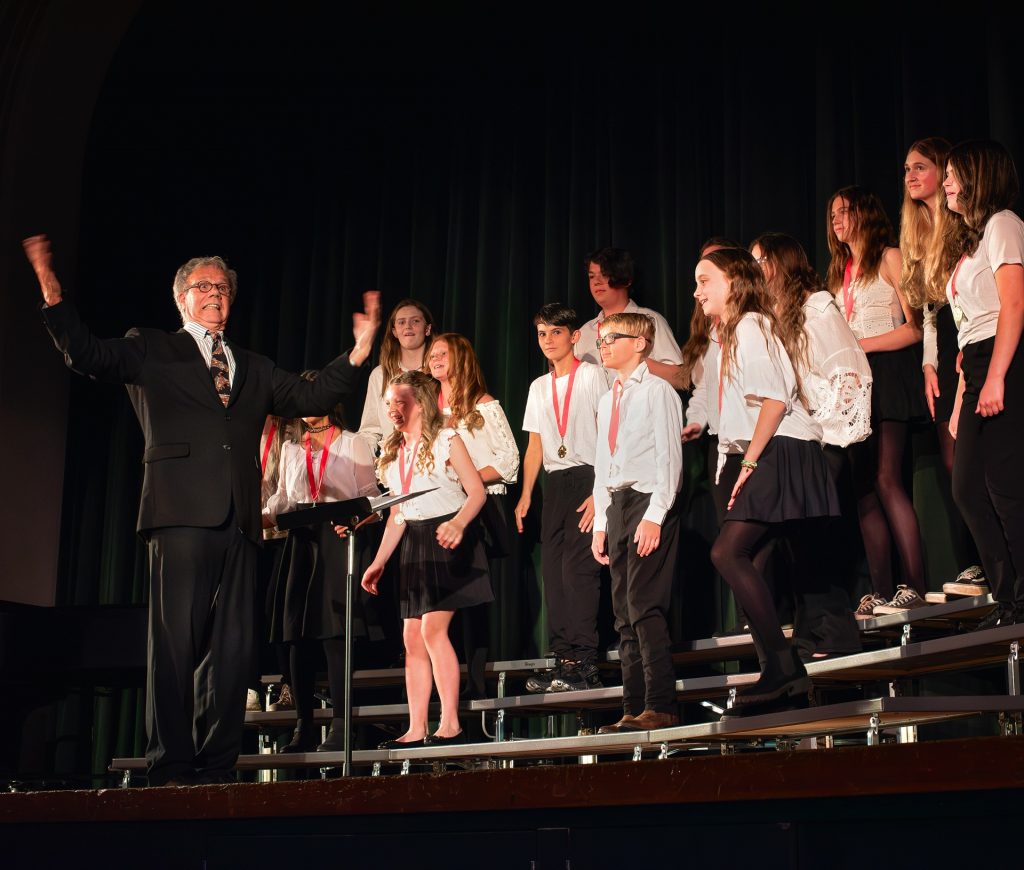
{"points": [[904, 599], [252, 702]]}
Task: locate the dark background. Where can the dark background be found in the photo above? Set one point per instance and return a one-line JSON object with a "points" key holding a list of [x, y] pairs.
{"points": [[468, 155]]}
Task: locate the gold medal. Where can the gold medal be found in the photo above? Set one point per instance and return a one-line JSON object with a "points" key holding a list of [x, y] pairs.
{"points": [[399, 519], [562, 451], [958, 315]]}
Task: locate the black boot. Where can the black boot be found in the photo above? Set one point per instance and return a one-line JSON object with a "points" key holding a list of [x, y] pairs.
{"points": [[783, 679], [303, 738], [335, 740]]}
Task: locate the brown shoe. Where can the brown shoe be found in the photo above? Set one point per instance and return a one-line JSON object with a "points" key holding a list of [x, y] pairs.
{"points": [[622, 725], [652, 720]]}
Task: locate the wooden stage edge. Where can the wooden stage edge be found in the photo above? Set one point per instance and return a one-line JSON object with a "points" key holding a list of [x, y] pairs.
{"points": [[979, 763]]}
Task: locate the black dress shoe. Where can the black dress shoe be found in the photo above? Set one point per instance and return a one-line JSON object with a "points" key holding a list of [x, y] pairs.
{"points": [[455, 740], [403, 744], [784, 678]]}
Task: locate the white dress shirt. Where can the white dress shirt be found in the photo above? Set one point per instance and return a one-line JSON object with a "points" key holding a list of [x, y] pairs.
{"points": [[581, 429], [703, 405], [649, 452], [204, 338], [665, 348], [349, 473]]}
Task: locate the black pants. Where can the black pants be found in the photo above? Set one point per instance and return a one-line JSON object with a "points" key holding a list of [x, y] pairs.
{"points": [[572, 576], [202, 619], [988, 472], [641, 591]]}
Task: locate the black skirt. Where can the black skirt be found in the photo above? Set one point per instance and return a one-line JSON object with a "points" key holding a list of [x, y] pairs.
{"points": [[949, 349], [309, 589], [791, 482], [433, 578], [898, 389]]}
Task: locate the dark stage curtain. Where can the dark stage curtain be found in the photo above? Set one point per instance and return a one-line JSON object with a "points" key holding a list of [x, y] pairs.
{"points": [[470, 158]]}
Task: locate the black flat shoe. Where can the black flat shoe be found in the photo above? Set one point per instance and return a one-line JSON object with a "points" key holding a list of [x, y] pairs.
{"points": [[762, 708], [455, 740], [335, 740], [303, 740], [403, 744]]}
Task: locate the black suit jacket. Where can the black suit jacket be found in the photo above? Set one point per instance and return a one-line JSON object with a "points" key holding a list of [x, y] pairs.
{"points": [[200, 456]]}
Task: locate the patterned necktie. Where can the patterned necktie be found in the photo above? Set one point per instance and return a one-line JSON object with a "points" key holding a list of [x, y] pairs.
{"points": [[219, 369]]}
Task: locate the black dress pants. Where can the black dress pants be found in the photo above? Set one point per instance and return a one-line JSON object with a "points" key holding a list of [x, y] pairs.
{"points": [[572, 576], [202, 619], [641, 592], [988, 472]]}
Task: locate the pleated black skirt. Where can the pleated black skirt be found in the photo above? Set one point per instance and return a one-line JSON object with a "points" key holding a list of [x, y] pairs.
{"points": [[949, 349], [898, 389], [791, 482], [433, 578]]}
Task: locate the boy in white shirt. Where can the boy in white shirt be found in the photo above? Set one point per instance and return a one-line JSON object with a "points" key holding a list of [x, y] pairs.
{"points": [[561, 417], [638, 473]]}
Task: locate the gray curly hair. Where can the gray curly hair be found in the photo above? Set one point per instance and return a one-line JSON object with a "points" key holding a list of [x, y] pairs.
{"points": [[181, 277]]}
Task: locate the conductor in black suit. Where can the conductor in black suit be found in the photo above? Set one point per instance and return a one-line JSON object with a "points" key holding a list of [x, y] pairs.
{"points": [[201, 400]]}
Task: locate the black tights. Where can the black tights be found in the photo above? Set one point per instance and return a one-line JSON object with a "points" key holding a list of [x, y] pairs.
{"points": [[887, 514], [733, 555], [304, 657]]}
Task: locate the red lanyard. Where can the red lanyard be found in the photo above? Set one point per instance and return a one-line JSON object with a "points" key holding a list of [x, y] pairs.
{"points": [[316, 483], [404, 478], [613, 424], [956, 271], [266, 448], [847, 292], [562, 422]]}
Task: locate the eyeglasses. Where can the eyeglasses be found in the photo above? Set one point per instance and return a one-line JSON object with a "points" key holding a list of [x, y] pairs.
{"points": [[610, 338], [206, 287]]}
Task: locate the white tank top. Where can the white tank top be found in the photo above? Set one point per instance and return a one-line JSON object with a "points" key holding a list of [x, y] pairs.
{"points": [[876, 307]]}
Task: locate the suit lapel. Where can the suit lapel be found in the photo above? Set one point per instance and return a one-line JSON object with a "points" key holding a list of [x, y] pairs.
{"points": [[191, 354], [241, 370]]}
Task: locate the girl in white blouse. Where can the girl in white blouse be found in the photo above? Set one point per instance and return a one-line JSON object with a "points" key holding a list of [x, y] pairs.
{"points": [[836, 381], [986, 293], [443, 566], [766, 430], [478, 418], [864, 276]]}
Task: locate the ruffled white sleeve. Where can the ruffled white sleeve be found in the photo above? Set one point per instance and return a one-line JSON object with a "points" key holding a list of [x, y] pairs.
{"points": [[838, 386], [502, 452], [371, 425]]}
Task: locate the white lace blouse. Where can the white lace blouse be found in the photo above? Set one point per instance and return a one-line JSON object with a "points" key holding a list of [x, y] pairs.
{"points": [[493, 445], [838, 383]]}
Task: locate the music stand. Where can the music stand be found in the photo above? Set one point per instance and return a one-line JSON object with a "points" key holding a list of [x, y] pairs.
{"points": [[355, 513]]}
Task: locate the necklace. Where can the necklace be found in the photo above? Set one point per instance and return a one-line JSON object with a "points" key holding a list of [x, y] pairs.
{"points": [[317, 429]]}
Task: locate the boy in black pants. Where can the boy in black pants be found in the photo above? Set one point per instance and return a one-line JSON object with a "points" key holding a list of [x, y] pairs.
{"points": [[561, 417], [638, 472]]}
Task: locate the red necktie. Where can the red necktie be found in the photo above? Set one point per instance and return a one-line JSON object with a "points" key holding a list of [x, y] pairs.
{"points": [[613, 424]]}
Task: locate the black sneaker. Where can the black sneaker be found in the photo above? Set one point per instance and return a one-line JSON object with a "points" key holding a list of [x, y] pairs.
{"points": [[540, 681], [576, 678]]}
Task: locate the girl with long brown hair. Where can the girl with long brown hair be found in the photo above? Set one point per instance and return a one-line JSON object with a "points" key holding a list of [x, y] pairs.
{"points": [[864, 276], [986, 293], [837, 385], [766, 431]]}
